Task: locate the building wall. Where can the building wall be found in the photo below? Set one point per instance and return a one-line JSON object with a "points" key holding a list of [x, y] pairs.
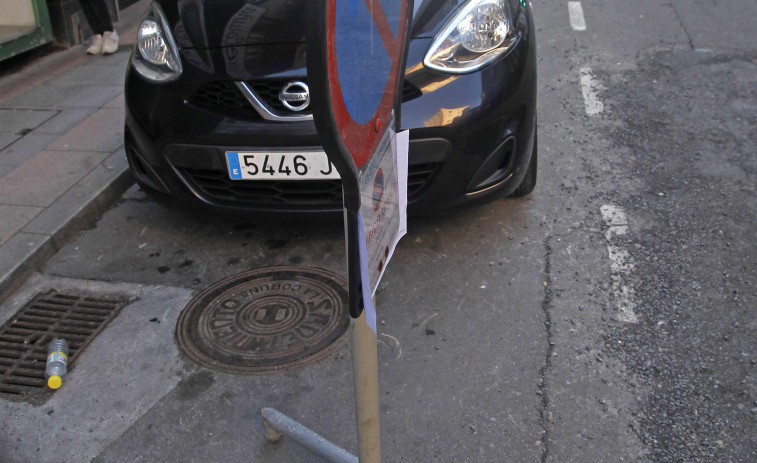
{"points": [[16, 13]]}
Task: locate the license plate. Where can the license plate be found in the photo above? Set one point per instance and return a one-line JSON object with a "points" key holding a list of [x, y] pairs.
{"points": [[301, 165]]}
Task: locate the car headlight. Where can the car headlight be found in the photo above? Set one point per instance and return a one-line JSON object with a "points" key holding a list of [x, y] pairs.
{"points": [[477, 35], [156, 57]]}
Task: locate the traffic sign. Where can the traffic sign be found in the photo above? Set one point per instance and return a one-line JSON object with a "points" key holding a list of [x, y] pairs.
{"points": [[356, 56], [367, 66], [356, 53]]}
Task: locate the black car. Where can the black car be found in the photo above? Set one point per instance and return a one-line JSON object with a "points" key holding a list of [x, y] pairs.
{"points": [[228, 76]]}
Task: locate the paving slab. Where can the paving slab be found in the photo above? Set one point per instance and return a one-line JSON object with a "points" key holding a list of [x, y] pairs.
{"points": [[117, 102], [14, 219], [51, 172], [39, 72], [102, 131], [18, 120], [121, 57], [7, 138], [42, 96], [57, 63], [88, 83], [26, 147], [68, 96], [91, 95], [65, 120], [4, 169], [95, 72], [80, 206]]}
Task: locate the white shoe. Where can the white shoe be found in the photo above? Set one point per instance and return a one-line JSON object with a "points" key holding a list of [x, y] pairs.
{"points": [[110, 42], [97, 45]]}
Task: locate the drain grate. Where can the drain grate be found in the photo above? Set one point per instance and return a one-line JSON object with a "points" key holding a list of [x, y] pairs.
{"points": [[75, 317], [266, 320]]}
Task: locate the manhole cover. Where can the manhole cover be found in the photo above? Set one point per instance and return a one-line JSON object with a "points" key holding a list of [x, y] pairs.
{"points": [[266, 320], [74, 316]]}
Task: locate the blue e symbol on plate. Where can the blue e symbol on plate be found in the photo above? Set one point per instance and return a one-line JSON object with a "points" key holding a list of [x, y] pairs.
{"points": [[235, 170]]}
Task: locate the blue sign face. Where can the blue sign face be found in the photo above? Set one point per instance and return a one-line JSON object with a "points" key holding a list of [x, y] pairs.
{"points": [[365, 42], [363, 46]]}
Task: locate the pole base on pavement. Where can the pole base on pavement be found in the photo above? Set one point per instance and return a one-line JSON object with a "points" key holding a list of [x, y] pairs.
{"points": [[365, 377]]}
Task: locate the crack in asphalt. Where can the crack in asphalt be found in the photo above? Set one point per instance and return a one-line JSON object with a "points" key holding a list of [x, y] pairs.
{"points": [[543, 383], [683, 27]]}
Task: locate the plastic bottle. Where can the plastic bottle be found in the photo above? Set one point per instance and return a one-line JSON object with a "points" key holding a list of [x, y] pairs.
{"points": [[57, 362]]}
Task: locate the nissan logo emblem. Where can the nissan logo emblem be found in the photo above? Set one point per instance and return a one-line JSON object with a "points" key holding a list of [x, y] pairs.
{"points": [[295, 96]]}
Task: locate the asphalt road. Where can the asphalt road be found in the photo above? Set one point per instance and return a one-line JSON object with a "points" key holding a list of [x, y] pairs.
{"points": [[607, 317]]}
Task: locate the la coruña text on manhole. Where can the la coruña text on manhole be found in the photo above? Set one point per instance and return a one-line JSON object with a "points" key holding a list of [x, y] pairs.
{"points": [[266, 320]]}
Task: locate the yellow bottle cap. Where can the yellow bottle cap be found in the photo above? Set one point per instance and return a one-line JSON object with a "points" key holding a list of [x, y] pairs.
{"points": [[54, 382]]}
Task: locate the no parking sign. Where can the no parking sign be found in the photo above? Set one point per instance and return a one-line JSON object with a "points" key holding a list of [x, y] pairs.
{"points": [[356, 57]]}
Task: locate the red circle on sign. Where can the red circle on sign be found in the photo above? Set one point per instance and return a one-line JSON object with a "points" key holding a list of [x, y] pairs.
{"points": [[361, 140]]}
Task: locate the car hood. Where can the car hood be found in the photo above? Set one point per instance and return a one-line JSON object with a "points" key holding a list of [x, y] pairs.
{"points": [[228, 23]]}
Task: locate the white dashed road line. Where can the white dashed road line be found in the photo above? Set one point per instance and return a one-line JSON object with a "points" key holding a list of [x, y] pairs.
{"points": [[577, 21], [621, 263], [589, 88]]}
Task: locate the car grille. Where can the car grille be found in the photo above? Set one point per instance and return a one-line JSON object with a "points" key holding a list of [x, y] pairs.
{"points": [[222, 97], [216, 186], [225, 98], [268, 91], [418, 177]]}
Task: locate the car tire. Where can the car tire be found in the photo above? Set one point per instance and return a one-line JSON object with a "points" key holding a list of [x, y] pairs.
{"points": [[528, 183]]}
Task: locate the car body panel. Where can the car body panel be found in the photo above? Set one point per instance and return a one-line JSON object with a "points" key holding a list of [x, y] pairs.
{"points": [[211, 24]]}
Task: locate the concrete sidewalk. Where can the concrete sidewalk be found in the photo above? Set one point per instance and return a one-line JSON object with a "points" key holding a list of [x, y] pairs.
{"points": [[62, 161]]}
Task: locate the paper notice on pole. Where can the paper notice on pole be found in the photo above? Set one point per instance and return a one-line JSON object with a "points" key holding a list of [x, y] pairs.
{"points": [[383, 212]]}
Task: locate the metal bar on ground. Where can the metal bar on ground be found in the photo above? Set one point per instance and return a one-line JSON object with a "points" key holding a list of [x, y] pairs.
{"points": [[276, 423], [365, 377]]}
